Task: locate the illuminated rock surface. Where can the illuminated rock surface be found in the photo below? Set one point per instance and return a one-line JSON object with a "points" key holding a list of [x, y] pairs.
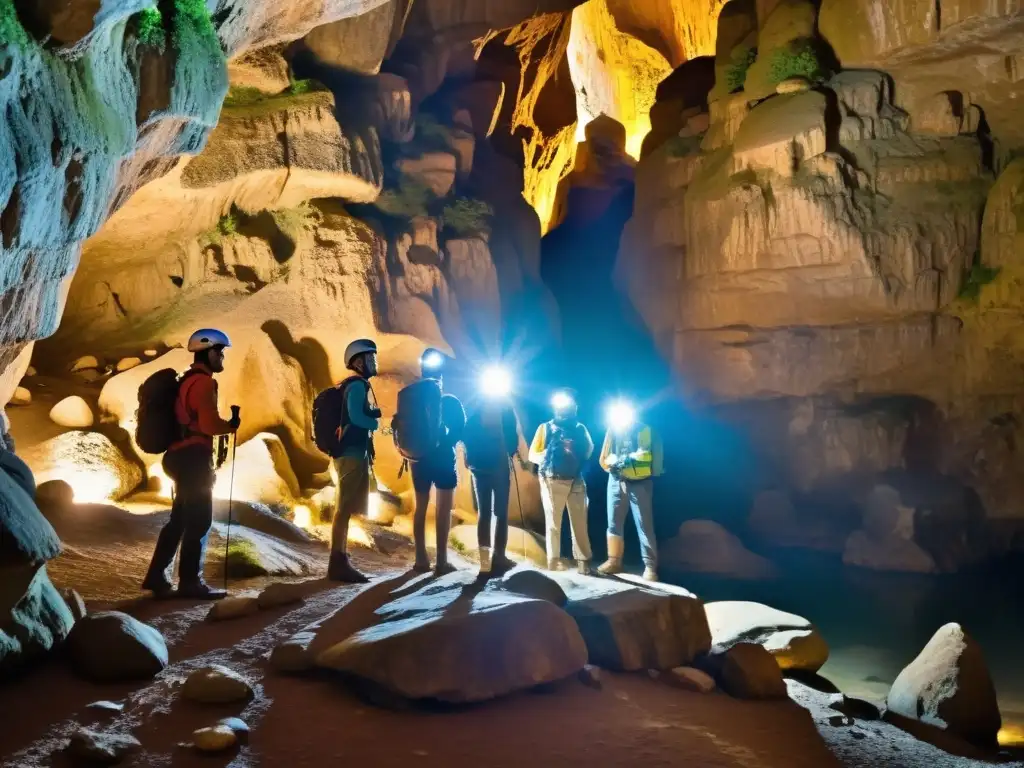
{"points": [[791, 639]]}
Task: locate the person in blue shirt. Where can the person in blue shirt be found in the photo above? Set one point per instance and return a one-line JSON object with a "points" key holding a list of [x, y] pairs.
{"points": [[352, 465]]}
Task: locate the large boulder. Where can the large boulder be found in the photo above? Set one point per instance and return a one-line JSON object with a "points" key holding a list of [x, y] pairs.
{"points": [[629, 628], [94, 467], [793, 641], [748, 671], [445, 643], [110, 646], [704, 546], [948, 686]]}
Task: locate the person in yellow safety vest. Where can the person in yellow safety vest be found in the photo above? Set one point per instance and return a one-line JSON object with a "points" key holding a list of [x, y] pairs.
{"points": [[631, 457]]}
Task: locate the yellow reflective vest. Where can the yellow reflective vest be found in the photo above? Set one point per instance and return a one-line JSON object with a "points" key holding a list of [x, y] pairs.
{"points": [[638, 447]]}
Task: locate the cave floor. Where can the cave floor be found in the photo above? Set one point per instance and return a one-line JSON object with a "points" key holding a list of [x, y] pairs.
{"points": [[304, 721]]}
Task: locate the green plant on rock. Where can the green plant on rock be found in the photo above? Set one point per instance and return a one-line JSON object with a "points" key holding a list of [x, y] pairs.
{"points": [[12, 33], [243, 96], [200, 77], [431, 134], [226, 227], [299, 87], [455, 543], [409, 200], [243, 560], [293, 222], [979, 276], [149, 29], [467, 217], [800, 58], [736, 74]]}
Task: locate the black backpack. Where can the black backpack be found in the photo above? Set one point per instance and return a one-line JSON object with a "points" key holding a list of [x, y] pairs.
{"points": [[417, 425], [156, 424], [559, 461], [329, 417]]}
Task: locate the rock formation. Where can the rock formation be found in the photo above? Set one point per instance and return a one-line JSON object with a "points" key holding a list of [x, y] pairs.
{"points": [[827, 267]]}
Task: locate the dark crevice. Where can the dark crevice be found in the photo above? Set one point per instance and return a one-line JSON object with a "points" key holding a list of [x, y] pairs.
{"points": [[10, 219]]}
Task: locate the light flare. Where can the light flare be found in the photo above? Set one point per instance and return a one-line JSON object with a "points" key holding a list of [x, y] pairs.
{"points": [[357, 534], [92, 487], [302, 517]]}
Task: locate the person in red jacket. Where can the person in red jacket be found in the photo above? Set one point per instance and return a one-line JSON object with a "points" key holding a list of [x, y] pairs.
{"points": [[189, 463]]}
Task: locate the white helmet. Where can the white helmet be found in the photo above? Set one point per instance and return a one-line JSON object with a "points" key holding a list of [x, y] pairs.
{"points": [[207, 338], [357, 348]]}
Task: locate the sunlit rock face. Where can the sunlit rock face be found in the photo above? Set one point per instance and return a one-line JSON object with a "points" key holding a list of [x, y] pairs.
{"points": [[811, 261]]}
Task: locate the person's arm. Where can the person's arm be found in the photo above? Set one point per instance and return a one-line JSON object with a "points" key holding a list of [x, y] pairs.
{"points": [[511, 429], [587, 449], [454, 417], [202, 397], [538, 445], [357, 406], [608, 459]]}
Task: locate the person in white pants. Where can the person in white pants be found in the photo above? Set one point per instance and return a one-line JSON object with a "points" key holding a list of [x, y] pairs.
{"points": [[561, 448]]}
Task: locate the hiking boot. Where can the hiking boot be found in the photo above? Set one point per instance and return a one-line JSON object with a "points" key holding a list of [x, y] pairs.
{"points": [[421, 566], [200, 590], [583, 567], [501, 565], [158, 585], [485, 559], [613, 565], [650, 574], [340, 569], [556, 564], [443, 569]]}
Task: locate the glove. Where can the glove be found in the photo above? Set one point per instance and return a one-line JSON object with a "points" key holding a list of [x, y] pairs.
{"points": [[235, 423]]}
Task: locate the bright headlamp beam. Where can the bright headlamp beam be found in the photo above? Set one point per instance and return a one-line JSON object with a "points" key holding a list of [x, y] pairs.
{"points": [[561, 401], [433, 361], [496, 381], [621, 415]]}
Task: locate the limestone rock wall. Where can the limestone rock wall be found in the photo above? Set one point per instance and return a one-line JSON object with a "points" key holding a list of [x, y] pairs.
{"points": [[826, 253]]}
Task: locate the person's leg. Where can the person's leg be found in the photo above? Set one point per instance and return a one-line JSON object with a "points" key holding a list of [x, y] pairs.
{"points": [[422, 483], [198, 508], [157, 580], [577, 505], [483, 489], [499, 560], [641, 502], [558, 495], [442, 526], [618, 506], [351, 499]]}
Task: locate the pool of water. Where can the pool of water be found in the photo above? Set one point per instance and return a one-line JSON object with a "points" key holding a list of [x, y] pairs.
{"points": [[876, 623]]}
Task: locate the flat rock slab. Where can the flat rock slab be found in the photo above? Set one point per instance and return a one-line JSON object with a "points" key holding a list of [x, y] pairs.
{"points": [[452, 641], [629, 628], [792, 640], [111, 647], [281, 594]]}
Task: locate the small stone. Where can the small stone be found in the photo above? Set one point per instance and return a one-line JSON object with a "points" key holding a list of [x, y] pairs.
{"points": [[855, 708], [236, 724], [127, 363], [107, 706], [232, 608], [751, 672], [21, 396], [85, 363], [533, 583], [215, 739], [150, 353], [216, 684], [30, 372], [89, 375], [75, 603], [281, 593], [654, 674], [793, 85], [72, 412], [691, 679], [590, 676], [102, 748]]}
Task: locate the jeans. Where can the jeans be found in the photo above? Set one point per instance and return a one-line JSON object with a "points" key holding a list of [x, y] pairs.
{"points": [[191, 469], [556, 495], [635, 495], [492, 490], [352, 497]]}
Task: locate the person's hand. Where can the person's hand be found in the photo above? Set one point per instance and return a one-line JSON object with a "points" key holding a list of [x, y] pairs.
{"points": [[236, 418], [612, 460]]}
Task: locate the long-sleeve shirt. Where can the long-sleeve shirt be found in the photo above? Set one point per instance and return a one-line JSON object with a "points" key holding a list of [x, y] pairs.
{"points": [[196, 409], [636, 447], [539, 445], [357, 405]]}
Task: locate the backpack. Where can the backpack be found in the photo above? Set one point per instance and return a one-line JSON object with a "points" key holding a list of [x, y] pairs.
{"points": [[560, 462], [329, 417], [156, 423], [657, 455], [417, 425]]}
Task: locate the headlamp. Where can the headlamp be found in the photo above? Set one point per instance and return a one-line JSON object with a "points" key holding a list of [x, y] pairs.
{"points": [[495, 382], [621, 415]]}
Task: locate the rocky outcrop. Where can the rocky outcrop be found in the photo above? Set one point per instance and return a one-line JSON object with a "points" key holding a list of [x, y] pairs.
{"points": [[791, 639], [96, 469], [114, 647], [704, 546], [948, 686], [442, 643]]}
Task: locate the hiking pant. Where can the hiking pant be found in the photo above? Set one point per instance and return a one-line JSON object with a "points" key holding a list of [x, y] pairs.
{"points": [[352, 497], [635, 495], [191, 469], [492, 490], [556, 495]]}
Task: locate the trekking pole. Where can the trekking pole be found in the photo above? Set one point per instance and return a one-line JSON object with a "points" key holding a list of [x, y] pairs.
{"points": [[519, 501], [231, 493]]}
